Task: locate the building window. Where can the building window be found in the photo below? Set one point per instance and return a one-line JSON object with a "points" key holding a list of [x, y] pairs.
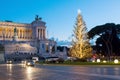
{"points": [[47, 47], [43, 46]]}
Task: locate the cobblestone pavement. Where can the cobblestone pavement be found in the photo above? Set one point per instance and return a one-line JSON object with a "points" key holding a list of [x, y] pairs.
{"points": [[57, 72]]}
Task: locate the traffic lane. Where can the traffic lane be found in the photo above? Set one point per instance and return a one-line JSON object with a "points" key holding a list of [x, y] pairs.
{"points": [[85, 72], [48, 72], [11, 72], [98, 69]]}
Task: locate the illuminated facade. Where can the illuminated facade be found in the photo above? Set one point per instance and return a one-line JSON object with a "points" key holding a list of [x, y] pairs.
{"points": [[22, 41]]}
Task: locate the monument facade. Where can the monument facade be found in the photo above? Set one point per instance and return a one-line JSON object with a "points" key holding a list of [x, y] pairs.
{"points": [[23, 41]]}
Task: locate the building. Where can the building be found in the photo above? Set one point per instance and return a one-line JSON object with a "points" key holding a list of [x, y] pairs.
{"points": [[23, 41]]}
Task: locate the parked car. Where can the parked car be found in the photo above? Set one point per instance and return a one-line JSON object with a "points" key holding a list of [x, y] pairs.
{"points": [[54, 60]]}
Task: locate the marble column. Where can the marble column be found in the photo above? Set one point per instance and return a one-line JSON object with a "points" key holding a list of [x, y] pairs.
{"points": [[38, 34], [18, 33], [42, 34], [10, 33], [22, 34]]}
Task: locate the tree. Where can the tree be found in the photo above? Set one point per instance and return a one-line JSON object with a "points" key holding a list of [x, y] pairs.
{"points": [[108, 42], [80, 44], [100, 29]]}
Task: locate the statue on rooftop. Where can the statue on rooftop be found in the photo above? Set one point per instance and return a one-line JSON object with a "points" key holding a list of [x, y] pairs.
{"points": [[37, 18]]}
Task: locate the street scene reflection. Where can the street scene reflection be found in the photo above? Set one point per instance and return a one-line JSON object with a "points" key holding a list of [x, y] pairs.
{"points": [[9, 69], [29, 72], [54, 72]]}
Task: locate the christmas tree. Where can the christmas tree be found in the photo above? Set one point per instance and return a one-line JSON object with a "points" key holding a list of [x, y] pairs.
{"points": [[80, 44]]}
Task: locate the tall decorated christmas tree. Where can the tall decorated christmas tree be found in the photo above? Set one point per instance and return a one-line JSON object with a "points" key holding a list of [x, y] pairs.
{"points": [[80, 44]]}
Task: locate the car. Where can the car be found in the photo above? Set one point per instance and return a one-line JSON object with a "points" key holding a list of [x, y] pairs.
{"points": [[30, 63], [9, 62]]}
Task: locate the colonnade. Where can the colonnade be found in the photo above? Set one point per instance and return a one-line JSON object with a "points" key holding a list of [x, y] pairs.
{"points": [[21, 33], [41, 34]]}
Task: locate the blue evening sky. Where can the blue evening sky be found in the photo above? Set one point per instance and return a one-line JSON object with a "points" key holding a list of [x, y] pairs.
{"points": [[60, 15]]}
